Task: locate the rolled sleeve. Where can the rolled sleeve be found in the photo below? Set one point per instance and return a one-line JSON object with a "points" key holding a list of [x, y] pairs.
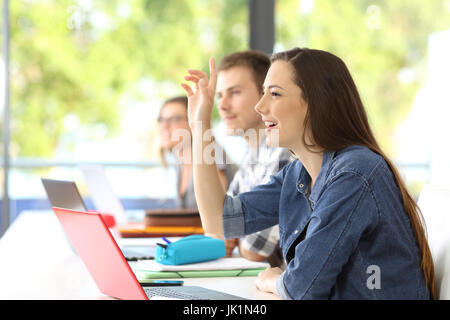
{"points": [[233, 218], [281, 289]]}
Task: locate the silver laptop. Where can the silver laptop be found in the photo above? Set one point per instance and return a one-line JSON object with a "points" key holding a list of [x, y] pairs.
{"points": [[65, 194], [102, 193]]}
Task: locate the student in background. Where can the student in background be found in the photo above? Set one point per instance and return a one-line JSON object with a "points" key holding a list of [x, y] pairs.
{"points": [[349, 228], [239, 87], [176, 139]]}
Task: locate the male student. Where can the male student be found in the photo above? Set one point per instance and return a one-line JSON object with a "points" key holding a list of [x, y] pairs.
{"points": [[239, 87]]}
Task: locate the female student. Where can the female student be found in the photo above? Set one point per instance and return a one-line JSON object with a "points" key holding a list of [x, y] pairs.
{"points": [[348, 227], [176, 139]]}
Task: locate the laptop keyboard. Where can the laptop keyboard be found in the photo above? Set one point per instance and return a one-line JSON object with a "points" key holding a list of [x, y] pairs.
{"points": [[169, 293]]}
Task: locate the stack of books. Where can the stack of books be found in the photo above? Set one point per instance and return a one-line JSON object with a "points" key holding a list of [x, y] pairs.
{"points": [[165, 222]]}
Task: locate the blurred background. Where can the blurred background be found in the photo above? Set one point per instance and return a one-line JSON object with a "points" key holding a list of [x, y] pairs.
{"points": [[82, 82]]}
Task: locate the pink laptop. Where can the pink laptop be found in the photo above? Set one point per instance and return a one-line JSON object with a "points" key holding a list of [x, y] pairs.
{"points": [[108, 267]]}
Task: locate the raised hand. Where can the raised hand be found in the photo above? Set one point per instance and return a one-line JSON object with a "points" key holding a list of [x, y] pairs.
{"points": [[201, 99]]}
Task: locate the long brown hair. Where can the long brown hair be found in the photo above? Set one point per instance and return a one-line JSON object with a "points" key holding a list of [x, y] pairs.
{"points": [[336, 119]]}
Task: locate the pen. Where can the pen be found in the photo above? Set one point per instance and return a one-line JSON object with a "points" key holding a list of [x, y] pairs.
{"points": [[166, 240]]}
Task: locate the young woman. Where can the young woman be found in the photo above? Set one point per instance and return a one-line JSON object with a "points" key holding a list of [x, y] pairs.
{"points": [[348, 227]]}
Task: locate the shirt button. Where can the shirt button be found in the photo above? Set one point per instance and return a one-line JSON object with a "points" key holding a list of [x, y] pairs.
{"points": [[300, 185]]}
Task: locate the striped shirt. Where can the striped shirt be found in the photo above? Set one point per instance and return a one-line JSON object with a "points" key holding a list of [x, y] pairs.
{"points": [[256, 168]]}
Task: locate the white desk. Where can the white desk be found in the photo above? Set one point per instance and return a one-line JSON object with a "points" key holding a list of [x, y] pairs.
{"points": [[36, 262]]}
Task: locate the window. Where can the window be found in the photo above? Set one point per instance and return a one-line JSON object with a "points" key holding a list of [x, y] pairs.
{"points": [[395, 50], [88, 79]]}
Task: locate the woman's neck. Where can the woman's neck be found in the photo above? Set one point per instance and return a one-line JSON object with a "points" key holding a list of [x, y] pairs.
{"points": [[254, 140], [312, 161]]}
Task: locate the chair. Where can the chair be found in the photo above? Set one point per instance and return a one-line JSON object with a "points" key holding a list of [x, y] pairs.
{"points": [[434, 202]]}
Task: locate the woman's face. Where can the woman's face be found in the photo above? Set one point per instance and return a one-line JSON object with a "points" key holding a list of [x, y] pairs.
{"points": [[173, 124], [282, 107]]}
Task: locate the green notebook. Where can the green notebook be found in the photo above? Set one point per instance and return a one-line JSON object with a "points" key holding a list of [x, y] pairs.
{"points": [[222, 267], [146, 274]]}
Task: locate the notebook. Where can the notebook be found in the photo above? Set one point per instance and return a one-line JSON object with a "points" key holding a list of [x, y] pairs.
{"points": [[106, 264], [223, 267], [172, 217], [139, 230], [65, 194]]}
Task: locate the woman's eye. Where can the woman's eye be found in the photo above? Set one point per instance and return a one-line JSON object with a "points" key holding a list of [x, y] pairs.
{"points": [[235, 92], [275, 94]]}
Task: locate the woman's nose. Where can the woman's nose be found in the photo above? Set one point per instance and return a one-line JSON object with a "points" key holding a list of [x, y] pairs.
{"points": [[260, 106]]}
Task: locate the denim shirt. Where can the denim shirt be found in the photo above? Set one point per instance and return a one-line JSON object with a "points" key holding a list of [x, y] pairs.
{"points": [[348, 238]]}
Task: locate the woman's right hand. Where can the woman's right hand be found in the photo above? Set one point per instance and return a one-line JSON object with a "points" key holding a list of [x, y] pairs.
{"points": [[201, 99]]}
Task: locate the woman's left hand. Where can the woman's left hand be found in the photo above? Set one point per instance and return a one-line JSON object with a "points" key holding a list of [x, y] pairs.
{"points": [[267, 280]]}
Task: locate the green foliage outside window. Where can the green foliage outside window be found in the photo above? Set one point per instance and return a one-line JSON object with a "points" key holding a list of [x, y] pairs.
{"points": [[383, 42], [79, 58]]}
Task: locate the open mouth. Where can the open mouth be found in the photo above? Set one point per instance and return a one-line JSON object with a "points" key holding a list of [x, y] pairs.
{"points": [[270, 124]]}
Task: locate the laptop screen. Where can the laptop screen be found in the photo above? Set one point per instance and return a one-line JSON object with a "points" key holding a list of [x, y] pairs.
{"points": [[63, 194], [100, 254], [102, 193]]}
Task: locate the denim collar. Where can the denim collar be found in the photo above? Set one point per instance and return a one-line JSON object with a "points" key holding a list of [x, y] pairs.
{"points": [[304, 180]]}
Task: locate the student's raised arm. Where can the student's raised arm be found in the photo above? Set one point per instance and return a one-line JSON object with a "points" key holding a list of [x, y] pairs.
{"points": [[209, 191]]}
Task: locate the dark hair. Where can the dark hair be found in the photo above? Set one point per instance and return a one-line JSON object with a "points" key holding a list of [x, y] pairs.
{"points": [[258, 63], [336, 119], [178, 99]]}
